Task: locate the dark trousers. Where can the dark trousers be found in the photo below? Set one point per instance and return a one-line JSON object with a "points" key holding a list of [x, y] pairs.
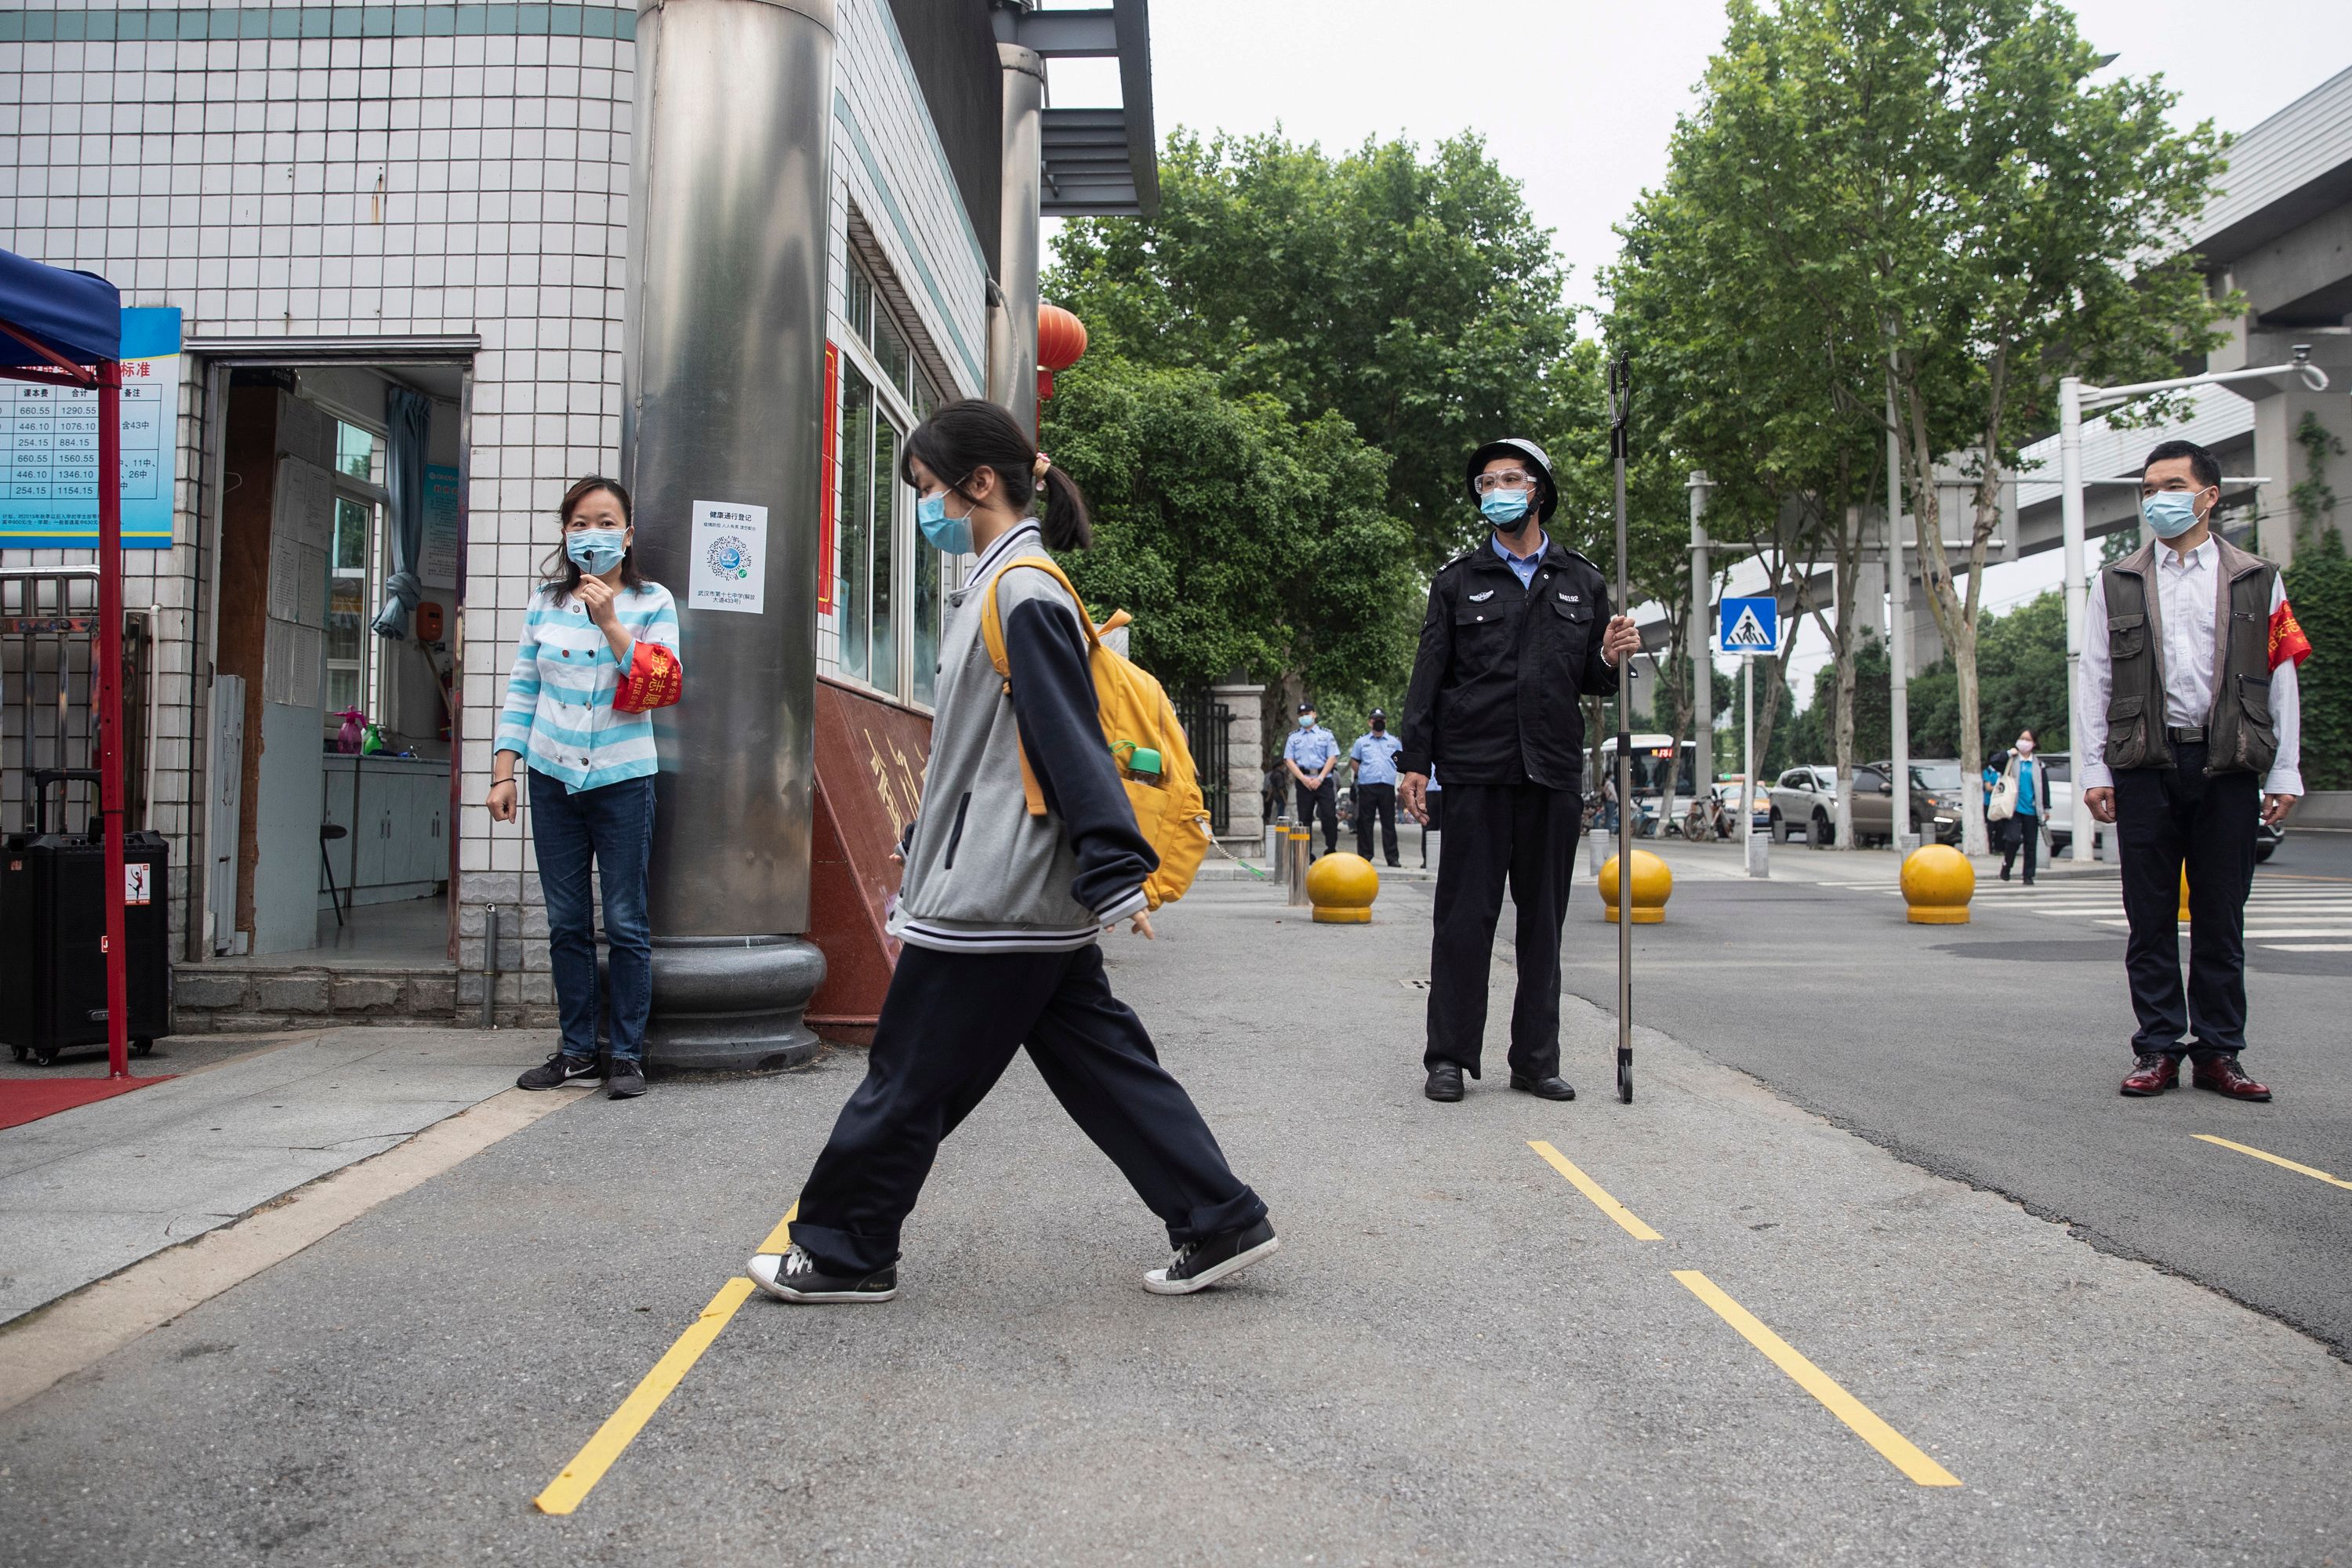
{"points": [[1380, 799], [950, 1025], [2022, 831], [1323, 803], [612, 826], [2166, 818], [1522, 836]]}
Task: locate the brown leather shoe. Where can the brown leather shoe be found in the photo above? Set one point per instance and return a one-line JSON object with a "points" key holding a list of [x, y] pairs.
{"points": [[2155, 1072], [2220, 1072]]}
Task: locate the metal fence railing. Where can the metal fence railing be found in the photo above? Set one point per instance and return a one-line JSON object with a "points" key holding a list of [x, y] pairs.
{"points": [[48, 678], [1206, 722]]}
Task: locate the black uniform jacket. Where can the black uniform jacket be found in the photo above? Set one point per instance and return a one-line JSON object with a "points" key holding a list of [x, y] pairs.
{"points": [[1496, 682]]}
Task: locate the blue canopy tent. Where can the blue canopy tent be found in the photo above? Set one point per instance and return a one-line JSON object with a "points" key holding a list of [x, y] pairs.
{"points": [[65, 328]]}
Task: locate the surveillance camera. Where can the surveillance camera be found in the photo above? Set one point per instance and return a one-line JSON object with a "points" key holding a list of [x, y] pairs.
{"points": [[2313, 377]]}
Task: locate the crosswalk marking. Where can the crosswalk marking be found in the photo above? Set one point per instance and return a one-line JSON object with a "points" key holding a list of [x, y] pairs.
{"points": [[2281, 914]]}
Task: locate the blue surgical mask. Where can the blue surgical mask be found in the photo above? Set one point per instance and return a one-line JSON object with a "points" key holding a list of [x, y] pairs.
{"points": [[2170, 513], [596, 550], [1307, 720], [1503, 507], [951, 534]]}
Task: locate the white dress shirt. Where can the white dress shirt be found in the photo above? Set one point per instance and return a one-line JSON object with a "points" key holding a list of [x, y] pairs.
{"points": [[2187, 595]]}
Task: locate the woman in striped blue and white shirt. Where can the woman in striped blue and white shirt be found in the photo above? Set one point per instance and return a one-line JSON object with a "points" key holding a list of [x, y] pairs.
{"points": [[598, 651]]}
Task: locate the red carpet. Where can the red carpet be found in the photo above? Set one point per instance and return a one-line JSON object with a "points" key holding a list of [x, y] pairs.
{"points": [[24, 1099]]}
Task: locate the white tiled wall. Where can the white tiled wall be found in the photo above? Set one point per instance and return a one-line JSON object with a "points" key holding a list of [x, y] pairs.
{"points": [[404, 185]]}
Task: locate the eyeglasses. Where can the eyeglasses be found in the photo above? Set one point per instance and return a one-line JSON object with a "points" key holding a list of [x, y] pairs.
{"points": [[1508, 480]]}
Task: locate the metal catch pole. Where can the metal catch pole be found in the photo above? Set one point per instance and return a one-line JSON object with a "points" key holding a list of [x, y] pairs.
{"points": [[1620, 402]]}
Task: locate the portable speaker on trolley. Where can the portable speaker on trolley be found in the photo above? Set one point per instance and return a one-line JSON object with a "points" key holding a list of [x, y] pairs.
{"points": [[53, 933]]}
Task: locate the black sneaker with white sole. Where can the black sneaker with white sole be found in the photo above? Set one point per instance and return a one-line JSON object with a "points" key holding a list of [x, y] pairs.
{"points": [[556, 1071], [625, 1081], [795, 1276], [1201, 1264]]}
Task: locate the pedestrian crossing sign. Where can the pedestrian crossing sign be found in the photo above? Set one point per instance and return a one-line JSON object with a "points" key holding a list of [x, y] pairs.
{"points": [[1748, 625]]}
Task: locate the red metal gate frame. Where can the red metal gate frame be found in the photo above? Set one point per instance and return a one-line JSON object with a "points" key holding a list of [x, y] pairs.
{"points": [[106, 376]]}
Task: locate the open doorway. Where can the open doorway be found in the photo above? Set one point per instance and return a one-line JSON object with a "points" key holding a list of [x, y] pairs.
{"points": [[332, 753]]}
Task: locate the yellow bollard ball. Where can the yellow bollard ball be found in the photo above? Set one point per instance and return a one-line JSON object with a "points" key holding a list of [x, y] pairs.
{"points": [[1654, 884], [2184, 895], [1938, 883], [1342, 888]]}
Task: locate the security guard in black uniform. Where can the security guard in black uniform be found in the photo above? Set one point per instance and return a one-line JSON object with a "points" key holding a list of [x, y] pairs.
{"points": [[1513, 637]]}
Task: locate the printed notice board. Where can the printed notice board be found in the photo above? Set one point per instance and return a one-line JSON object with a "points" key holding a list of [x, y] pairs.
{"points": [[49, 447], [730, 567], [436, 563]]}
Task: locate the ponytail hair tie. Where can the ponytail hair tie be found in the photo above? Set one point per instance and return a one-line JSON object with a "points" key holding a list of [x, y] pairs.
{"points": [[1037, 469]]}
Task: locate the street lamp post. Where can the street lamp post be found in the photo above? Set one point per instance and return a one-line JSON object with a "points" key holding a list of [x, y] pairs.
{"points": [[1898, 659], [1702, 638], [2074, 400]]}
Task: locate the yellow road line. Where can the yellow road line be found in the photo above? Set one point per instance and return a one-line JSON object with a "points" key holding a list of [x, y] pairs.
{"points": [[578, 1478], [781, 1238], [1595, 1191], [1898, 1449], [2274, 1159]]}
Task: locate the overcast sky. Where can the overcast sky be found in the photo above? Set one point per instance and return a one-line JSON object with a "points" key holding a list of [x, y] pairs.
{"points": [[1577, 99]]}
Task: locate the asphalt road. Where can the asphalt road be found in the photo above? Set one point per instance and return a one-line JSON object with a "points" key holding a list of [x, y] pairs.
{"points": [[2314, 852], [1990, 1052], [1457, 1357]]}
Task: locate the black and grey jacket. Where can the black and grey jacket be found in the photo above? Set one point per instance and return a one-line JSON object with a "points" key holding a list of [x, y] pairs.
{"points": [[983, 875]]}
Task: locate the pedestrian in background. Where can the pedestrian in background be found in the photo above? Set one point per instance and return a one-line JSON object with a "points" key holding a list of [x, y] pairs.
{"points": [[2021, 799], [1518, 631], [2192, 731], [598, 653], [1309, 754], [1373, 758], [1001, 911]]}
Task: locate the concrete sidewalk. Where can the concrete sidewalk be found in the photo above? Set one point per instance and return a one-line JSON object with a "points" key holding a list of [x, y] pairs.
{"points": [[1457, 1357], [93, 1190]]}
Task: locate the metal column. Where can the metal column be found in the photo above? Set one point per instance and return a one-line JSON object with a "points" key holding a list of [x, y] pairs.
{"points": [[1013, 339], [1898, 655], [2069, 531], [1702, 634], [723, 386]]}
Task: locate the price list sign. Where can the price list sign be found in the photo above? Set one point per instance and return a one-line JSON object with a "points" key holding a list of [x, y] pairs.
{"points": [[49, 447]]}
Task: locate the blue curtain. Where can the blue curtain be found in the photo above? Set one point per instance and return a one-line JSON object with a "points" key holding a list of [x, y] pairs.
{"points": [[409, 415]]}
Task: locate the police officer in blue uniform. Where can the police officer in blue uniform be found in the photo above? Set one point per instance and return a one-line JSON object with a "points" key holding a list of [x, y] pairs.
{"points": [[1518, 630], [1373, 757], [1309, 755]]}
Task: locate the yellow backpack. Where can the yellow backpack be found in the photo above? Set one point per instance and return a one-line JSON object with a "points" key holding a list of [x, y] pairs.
{"points": [[1140, 725]]}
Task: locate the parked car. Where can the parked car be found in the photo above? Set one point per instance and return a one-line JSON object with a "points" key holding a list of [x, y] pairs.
{"points": [[1935, 805], [1803, 801], [1761, 820]]}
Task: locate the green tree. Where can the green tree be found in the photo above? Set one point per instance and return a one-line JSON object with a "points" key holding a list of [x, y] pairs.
{"points": [[1971, 219], [1415, 296], [1237, 535], [2319, 586]]}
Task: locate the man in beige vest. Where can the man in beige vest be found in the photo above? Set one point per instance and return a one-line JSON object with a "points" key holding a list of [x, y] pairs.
{"points": [[2190, 732]]}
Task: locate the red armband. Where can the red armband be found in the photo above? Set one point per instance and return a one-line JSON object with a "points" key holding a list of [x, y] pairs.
{"points": [[2287, 641], [653, 681]]}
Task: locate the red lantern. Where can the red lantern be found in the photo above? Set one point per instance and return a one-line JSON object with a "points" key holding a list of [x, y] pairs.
{"points": [[1061, 338]]}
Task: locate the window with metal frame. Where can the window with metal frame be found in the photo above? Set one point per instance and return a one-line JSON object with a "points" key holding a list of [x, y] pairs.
{"points": [[354, 568], [891, 587]]}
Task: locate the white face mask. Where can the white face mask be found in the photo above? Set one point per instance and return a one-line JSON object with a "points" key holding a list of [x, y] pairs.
{"points": [[2025, 747]]}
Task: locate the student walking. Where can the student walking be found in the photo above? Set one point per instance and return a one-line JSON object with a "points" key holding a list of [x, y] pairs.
{"points": [[599, 652], [1000, 911]]}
